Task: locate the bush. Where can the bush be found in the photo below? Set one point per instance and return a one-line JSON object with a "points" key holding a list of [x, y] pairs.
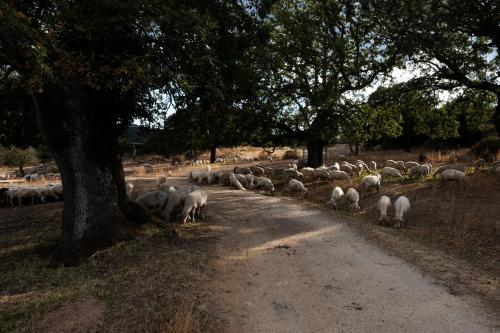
{"points": [[291, 154], [487, 147]]}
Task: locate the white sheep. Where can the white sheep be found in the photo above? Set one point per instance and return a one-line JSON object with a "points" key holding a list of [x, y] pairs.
{"points": [[419, 171], [334, 174], [234, 182], [352, 196], [335, 166], [337, 194], [48, 193], [391, 172], [411, 164], [162, 180], [129, 188], [242, 179], [401, 207], [155, 200], [453, 175], [291, 174], [347, 168], [243, 171], [396, 165], [321, 174], [263, 183], [258, 171], [383, 205], [371, 181], [307, 172], [373, 165], [194, 205], [295, 186], [250, 180]]}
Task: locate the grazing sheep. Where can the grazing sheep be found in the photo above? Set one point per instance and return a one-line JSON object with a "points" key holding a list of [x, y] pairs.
{"points": [[373, 165], [338, 175], [411, 164], [337, 194], [250, 181], [258, 171], [321, 174], [48, 193], [155, 200], [162, 180], [347, 168], [391, 172], [269, 171], [307, 172], [295, 186], [263, 183], [129, 187], [243, 171], [370, 181], [352, 196], [291, 174], [396, 165], [203, 177], [194, 205], [401, 207], [453, 175], [383, 205], [224, 179], [335, 167], [234, 182], [420, 171], [242, 179]]}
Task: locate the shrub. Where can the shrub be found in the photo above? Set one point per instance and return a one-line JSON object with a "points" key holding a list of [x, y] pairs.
{"points": [[18, 157], [487, 147], [291, 154]]}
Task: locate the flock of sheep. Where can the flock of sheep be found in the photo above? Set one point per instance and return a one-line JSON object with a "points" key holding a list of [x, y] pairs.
{"points": [[17, 195]]}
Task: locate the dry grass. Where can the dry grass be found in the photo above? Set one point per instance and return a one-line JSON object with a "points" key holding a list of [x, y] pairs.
{"points": [[142, 283]]}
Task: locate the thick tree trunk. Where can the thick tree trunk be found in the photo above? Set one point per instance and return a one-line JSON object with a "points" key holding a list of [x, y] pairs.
{"points": [[213, 153], [86, 151], [315, 152], [356, 152]]}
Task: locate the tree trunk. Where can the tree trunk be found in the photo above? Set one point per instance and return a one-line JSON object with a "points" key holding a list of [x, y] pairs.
{"points": [[356, 152], [86, 151], [315, 153], [213, 152], [21, 170]]}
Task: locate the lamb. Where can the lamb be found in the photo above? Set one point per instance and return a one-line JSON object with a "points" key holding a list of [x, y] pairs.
{"points": [[321, 174], [338, 175], [194, 205], [162, 180], [337, 194], [155, 200], [373, 165], [383, 205], [420, 171], [243, 171], [296, 186], [234, 182], [370, 181], [263, 183], [391, 172], [453, 175], [401, 207], [352, 196]]}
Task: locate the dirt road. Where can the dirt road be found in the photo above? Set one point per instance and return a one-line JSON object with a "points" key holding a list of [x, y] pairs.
{"points": [[285, 266]]}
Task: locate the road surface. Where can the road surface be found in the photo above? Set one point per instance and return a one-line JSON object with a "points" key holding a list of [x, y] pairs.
{"points": [[286, 266]]}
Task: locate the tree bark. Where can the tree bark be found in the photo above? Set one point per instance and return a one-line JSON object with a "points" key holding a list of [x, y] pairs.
{"points": [[356, 152], [213, 153], [315, 152], [85, 146]]}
